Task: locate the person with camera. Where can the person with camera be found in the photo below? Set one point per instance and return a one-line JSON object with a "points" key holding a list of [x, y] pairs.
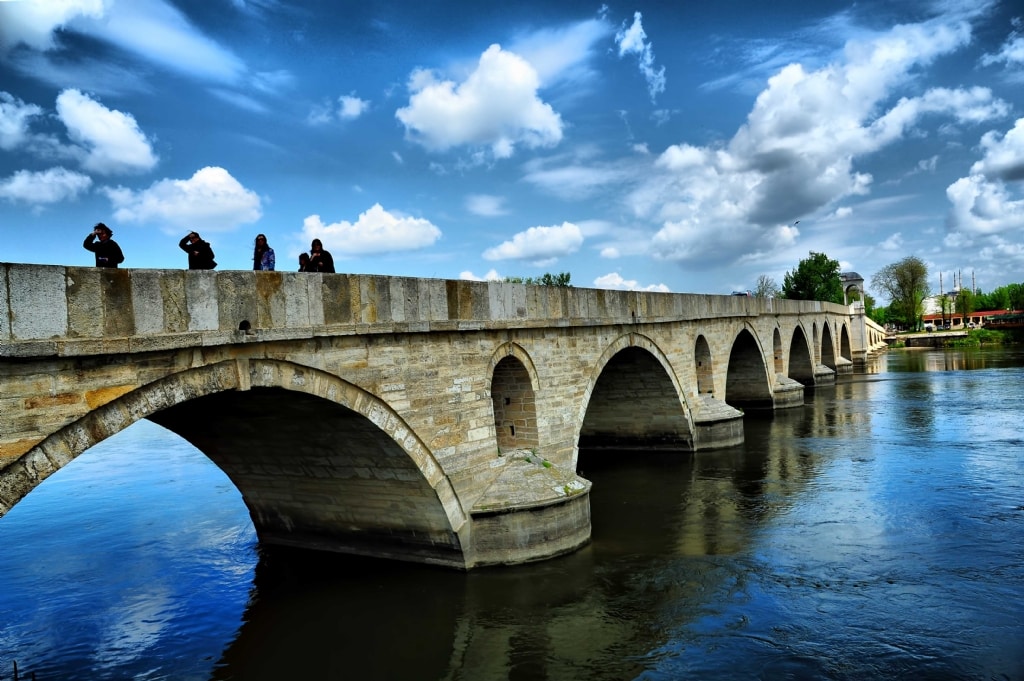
{"points": [[200, 253], [108, 253]]}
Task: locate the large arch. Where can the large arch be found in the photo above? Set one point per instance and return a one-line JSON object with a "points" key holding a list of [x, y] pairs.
{"points": [[514, 398], [319, 461], [747, 385], [801, 361], [845, 350], [633, 401]]}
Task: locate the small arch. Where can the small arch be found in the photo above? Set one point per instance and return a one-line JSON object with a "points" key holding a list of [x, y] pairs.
{"points": [[705, 370], [780, 364], [845, 350], [513, 398]]}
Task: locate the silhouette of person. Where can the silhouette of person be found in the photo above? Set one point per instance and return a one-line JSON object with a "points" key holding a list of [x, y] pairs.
{"points": [[108, 253], [262, 254], [200, 254], [304, 262], [319, 259]]}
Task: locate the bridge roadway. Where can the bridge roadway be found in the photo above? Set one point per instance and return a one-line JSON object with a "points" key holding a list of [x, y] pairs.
{"points": [[417, 419]]}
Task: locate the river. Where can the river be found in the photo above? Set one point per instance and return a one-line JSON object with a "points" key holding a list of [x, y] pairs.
{"points": [[877, 532]]}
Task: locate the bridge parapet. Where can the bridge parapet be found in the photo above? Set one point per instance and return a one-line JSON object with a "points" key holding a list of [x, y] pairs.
{"points": [[48, 310]]}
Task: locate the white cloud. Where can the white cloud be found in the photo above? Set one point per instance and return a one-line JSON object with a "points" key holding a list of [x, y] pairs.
{"points": [[113, 140], [633, 40], [562, 54], [893, 243], [211, 200], [990, 201], [796, 152], [542, 245], [33, 23], [486, 205], [1004, 157], [615, 281], [14, 120], [375, 231], [351, 107], [843, 212], [49, 186], [610, 252], [491, 275], [496, 107]]}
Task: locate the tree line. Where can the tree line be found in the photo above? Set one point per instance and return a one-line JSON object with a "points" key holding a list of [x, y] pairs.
{"points": [[904, 283]]}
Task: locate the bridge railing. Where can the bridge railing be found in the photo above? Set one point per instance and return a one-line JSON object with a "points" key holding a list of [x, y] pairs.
{"points": [[58, 310]]}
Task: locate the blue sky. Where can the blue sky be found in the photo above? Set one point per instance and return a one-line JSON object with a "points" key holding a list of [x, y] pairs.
{"points": [[686, 147]]}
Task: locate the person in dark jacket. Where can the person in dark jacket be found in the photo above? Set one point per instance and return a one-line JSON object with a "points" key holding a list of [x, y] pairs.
{"points": [[200, 254], [319, 259], [108, 253]]}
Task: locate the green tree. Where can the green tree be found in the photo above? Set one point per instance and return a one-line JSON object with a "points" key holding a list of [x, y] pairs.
{"points": [[546, 279], [815, 278], [766, 287], [905, 283]]}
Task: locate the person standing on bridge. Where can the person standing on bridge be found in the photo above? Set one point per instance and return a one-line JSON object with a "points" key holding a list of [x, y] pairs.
{"points": [[262, 254], [108, 253], [319, 259], [200, 253]]}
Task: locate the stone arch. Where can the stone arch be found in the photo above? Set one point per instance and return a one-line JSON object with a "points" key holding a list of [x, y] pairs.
{"points": [[747, 384], [633, 400], [815, 344], [514, 386], [845, 350], [704, 366], [828, 347], [286, 507], [801, 360]]}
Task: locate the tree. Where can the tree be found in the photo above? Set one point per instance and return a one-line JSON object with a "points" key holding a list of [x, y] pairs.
{"points": [[547, 279], [766, 287], [905, 283], [815, 278]]}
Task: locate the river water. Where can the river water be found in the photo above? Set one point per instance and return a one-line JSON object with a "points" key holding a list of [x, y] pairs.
{"points": [[877, 532]]}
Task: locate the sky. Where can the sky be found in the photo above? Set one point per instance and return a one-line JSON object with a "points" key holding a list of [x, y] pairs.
{"points": [[688, 147]]}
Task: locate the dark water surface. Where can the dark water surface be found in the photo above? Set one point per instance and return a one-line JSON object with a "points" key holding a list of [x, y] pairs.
{"points": [[877, 532]]}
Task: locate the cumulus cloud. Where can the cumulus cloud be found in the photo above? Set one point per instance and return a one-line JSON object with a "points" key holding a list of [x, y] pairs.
{"points": [[486, 205], [796, 152], [491, 275], [211, 200], [375, 231], [1011, 52], [497, 108], [15, 116], [541, 245], [615, 281], [990, 200], [351, 107], [112, 139], [633, 40], [49, 186]]}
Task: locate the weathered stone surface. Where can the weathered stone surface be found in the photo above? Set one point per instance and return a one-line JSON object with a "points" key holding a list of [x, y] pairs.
{"points": [[376, 414]]}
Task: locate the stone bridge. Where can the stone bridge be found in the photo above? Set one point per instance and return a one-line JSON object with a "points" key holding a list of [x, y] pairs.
{"points": [[417, 419]]}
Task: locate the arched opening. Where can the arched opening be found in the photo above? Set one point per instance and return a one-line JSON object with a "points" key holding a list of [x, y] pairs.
{"points": [[746, 385], [315, 473], [828, 353], [801, 367], [844, 343], [635, 405], [515, 405], [704, 368], [780, 365]]}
